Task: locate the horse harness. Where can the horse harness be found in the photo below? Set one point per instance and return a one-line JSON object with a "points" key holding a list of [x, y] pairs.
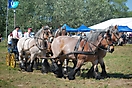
{"points": [[92, 52], [36, 44]]}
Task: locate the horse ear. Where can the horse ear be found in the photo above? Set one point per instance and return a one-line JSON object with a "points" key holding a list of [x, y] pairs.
{"points": [[116, 26], [105, 35], [108, 31]]}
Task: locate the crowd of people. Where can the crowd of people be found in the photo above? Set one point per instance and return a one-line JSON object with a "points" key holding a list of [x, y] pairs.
{"points": [[16, 34]]}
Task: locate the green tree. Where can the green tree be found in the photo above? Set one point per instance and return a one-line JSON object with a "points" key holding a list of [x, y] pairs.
{"points": [[36, 13], [3, 5]]}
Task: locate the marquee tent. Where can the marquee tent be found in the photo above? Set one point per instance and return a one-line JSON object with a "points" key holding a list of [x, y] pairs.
{"points": [[83, 28], [69, 29], [118, 21], [124, 29]]}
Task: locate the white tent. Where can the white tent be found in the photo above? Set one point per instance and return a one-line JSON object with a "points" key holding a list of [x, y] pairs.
{"points": [[117, 21]]}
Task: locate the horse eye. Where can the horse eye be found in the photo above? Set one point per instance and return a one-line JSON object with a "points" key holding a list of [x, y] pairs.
{"points": [[109, 39], [47, 33], [117, 33]]}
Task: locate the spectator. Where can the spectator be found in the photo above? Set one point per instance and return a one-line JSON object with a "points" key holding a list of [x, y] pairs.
{"points": [[0, 37], [63, 33], [17, 34], [10, 36], [28, 34]]}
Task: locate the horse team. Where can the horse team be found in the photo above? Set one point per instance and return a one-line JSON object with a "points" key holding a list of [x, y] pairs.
{"points": [[91, 48]]}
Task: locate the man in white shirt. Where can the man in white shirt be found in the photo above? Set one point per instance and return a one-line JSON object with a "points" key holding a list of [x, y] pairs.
{"points": [[28, 34], [10, 38], [17, 34], [10, 42]]}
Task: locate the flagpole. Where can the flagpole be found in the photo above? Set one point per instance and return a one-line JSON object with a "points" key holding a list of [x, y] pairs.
{"points": [[14, 18], [7, 20]]}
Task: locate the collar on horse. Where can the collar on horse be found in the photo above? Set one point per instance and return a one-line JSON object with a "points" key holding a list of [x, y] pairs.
{"points": [[37, 44], [92, 52]]}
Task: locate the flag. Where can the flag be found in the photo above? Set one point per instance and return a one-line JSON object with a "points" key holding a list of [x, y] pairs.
{"points": [[12, 4]]}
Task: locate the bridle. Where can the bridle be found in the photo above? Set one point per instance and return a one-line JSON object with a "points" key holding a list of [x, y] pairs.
{"points": [[114, 32], [98, 46], [42, 39], [107, 41]]}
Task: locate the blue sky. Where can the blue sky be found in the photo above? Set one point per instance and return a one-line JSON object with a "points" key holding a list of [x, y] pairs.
{"points": [[129, 4]]}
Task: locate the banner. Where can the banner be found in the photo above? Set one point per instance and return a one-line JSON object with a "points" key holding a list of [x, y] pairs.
{"points": [[12, 4]]}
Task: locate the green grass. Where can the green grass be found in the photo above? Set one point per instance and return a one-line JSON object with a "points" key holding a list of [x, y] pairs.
{"points": [[118, 66]]}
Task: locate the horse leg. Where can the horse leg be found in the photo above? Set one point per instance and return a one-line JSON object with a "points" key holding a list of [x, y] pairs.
{"points": [[45, 66], [22, 64], [103, 73], [74, 65], [90, 72], [36, 63], [65, 70], [95, 72], [56, 68], [30, 64], [71, 75]]}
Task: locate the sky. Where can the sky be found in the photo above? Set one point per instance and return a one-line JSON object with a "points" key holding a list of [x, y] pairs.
{"points": [[129, 4]]}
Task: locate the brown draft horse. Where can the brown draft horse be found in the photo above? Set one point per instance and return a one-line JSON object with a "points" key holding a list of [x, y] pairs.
{"points": [[116, 37], [63, 47]]}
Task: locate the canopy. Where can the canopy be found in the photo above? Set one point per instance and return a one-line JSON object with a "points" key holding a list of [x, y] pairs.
{"points": [[117, 21], [69, 29], [83, 28], [124, 29]]}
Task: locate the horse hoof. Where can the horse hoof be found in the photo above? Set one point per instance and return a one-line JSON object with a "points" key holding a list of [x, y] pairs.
{"points": [[44, 72], [104, 75], [71, 77], [59, 75], [29, 70], [98, 78], [22, 66]]}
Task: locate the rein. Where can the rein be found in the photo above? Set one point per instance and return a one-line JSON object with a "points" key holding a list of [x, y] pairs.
{"points": [[86, 52], [37, 44]]}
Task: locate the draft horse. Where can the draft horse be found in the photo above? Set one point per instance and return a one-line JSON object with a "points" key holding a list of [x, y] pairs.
{"points": [[115, 37], [34, 47], [84, 51]]}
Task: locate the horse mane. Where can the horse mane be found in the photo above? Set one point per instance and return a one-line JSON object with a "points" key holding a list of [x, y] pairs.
{"points": [[93, 36], [39, 32], [103, 30]]}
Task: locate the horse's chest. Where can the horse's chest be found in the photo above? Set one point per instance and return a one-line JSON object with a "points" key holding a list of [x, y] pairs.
{"points": [[90, 58]]}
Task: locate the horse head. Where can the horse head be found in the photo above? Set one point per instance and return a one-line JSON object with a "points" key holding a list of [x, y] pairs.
{"points": [[106, 42], [115, 35], [45, 32]]}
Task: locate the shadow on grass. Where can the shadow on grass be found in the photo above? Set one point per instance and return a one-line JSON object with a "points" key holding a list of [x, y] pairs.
{"points": [[120, 75], [110, 75]]}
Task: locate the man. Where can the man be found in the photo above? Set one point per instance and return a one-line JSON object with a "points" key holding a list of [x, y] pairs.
{"points": [[10, 42], [17, 34], [28, 34], [0, 37]]}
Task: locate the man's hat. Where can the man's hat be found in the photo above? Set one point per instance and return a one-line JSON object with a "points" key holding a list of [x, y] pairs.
{"points": [[17, 27], [30, 29], [46, 27]]}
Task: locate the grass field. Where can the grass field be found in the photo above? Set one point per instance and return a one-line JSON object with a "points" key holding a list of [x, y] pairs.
{"points": [[118, 66]]}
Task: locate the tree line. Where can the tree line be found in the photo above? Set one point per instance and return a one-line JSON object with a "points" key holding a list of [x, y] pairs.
{"points": [[36, 13]]}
